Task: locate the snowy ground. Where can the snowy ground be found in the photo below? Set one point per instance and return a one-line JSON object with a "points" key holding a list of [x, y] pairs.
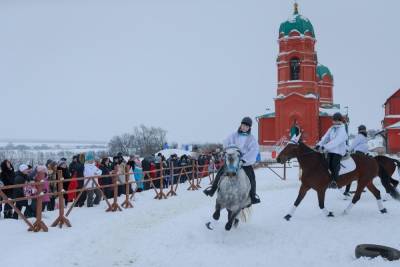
{"points": [[172, 233]]}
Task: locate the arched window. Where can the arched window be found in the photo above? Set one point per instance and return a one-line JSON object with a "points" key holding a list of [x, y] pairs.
{"points": [[295, 69]]}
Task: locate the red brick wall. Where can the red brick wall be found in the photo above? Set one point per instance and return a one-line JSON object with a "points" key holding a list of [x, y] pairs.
{"points": [[393, 140], [266, 131], [304, 110]]}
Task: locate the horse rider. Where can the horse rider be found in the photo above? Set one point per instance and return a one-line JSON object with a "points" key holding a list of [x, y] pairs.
{"points": [[334, 143], [358, 146], [248, 145], [360, 142]]}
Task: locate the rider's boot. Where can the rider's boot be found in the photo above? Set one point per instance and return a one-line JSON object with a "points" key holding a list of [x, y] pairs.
{"points": [[333, 183], [252, 177], [210, 191], [335, 168]]}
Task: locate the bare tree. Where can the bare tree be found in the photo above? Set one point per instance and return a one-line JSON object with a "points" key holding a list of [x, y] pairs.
{"points": [[143, 141], [148, 140], [121, 143]]}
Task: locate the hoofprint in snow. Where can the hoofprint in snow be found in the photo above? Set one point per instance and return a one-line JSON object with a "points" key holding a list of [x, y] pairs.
{"points": [[171, 232]]}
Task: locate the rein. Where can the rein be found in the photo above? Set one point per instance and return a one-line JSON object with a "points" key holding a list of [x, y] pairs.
{"points": [[303, 154]]}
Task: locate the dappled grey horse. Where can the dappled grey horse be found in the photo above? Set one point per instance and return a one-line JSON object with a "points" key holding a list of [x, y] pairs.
{"points": [[233, 189]]}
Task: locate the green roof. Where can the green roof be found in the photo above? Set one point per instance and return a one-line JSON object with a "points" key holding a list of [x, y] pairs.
{"points": [[267, 115], [322, 71], [296, 22]]}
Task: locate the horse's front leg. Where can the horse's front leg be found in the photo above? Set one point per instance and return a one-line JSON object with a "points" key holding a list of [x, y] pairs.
{"points": [[231, 219], [302, 192], [215, 217], [321, 203], [217, 212]]}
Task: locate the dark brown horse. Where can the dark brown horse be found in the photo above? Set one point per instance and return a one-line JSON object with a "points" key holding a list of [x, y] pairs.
{"points": [[387, 166], [315, 175]]}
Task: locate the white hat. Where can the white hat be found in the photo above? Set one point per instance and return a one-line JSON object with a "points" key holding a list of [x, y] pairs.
{"points": [[23, 167]]}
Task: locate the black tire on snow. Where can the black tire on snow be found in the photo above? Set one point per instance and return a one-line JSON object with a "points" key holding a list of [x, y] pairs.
{"points": [[372, 251]]}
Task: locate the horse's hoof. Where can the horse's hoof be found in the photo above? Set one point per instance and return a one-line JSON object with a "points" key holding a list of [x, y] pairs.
{"points": [[383, 210], [287, 217], [228, 226], [208, 225], [236, 223], [216, 215], [330, 214]]}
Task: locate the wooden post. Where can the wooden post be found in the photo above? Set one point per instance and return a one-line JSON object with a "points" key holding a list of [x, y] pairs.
{"points": [[114, 206], [127, 204], [85, 183], [198, 179], [39, 224], [161, 195], [192, 181], [171, 170], [61, 218], [13, 205]]}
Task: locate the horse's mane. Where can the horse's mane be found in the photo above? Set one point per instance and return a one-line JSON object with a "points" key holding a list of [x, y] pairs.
{"points": [[309, 151], [306, 147]]}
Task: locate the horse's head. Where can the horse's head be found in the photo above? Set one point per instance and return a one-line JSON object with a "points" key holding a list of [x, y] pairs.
{"points": [[232, 160], [290, 150]]}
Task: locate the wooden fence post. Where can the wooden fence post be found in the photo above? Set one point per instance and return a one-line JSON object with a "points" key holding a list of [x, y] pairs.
{"points": [[127, 204], [172, 174], [192, 181], [114, 206], [61, 218], [39, 224], [161, 195], [199, 172]]}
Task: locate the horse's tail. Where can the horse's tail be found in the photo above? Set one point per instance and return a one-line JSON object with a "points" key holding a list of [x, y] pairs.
{"points": [[397, 162], [245, 214], [385, 179]]}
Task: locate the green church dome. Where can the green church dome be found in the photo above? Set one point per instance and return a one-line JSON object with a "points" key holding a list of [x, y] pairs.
{"points": [[322, 71], [296, 22]]}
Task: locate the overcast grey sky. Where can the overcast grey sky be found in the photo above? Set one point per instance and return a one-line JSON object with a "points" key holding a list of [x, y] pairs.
{"points": [[91, 69]]}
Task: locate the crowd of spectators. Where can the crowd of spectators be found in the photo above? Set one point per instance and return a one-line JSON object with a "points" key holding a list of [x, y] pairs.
{"points": [[146, 172]]}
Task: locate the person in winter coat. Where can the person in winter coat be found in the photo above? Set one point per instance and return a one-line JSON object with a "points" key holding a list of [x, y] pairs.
{"points": [[248, 145], [62, 166], [7, 177], [39, 174], [105, 168], [1, 204], [138, 175], [52, 177], [90, 169], [358, 146], [21, 178], [76, 169], [360, 142], [334, 143]]}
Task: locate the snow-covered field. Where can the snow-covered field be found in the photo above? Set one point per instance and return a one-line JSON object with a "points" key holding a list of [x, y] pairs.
{"points": [[172, 233]]}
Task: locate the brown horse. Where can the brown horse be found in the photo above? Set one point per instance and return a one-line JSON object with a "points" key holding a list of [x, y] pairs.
{"points": [[387, 166], [315, 175]]}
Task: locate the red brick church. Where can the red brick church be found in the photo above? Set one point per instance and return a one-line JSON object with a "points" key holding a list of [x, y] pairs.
{"points": [[304, 93]]}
